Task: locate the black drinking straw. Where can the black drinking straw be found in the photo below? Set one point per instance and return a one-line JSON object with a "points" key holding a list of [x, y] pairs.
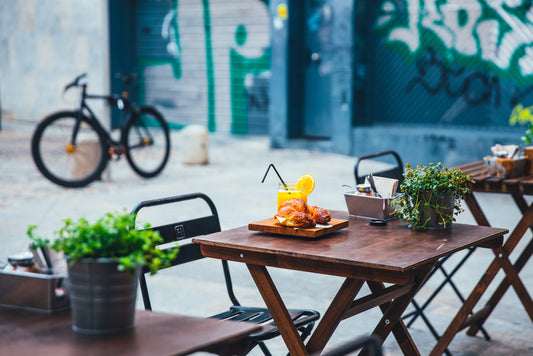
{"points": [[281, 179]]}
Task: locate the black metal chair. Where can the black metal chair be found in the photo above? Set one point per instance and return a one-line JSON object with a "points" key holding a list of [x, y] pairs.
{"points": [[177, 231], [370, 344], [395, 171]]}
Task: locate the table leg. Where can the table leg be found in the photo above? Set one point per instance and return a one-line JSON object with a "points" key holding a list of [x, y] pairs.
{"points": [[392, 312], [500, 262], [461, 316], [512, 277], [502, 288], [524, 223], [278, 310], [400, 332], [475, 209], [332, 317]]}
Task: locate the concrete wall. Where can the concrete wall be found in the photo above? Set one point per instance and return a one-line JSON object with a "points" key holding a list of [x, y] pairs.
{"points": [[44, 44]]}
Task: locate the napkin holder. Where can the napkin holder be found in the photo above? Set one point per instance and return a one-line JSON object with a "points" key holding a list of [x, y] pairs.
{"points": [[40, 292], [369, 207]]}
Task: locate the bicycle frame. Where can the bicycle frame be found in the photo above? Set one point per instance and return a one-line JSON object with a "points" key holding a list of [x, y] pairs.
{"points": [[123, 104]]}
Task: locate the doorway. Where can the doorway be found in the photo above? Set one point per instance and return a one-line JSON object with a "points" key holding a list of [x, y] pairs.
{"points": [[318, 69]]}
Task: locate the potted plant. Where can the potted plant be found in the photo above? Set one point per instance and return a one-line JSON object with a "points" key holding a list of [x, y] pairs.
{"points": [[104, 262], [528, 150], [431, 196]]}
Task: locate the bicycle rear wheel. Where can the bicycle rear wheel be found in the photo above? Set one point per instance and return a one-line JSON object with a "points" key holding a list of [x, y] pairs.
{"points": [[63, 163], [147, 142]]}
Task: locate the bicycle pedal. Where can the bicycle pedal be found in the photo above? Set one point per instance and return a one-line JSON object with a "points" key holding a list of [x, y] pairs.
{"points": [[114, 153]]}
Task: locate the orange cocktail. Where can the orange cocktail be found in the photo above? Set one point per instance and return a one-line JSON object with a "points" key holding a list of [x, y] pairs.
{"points": [[290, 191]]}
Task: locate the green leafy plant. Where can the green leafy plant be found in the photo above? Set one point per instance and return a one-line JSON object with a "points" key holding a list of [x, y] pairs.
{"points": [[112, 236], [528, 134], [420, 188]]}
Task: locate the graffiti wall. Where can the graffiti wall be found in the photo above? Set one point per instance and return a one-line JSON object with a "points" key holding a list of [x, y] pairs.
{"points": [[205, 62], [464, 63]]}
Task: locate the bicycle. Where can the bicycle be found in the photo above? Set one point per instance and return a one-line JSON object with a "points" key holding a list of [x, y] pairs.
{"points": [[72, 148]]}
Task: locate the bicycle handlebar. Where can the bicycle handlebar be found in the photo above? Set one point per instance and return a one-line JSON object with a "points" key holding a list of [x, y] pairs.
{"points": [[112, 99], [75, 82]]}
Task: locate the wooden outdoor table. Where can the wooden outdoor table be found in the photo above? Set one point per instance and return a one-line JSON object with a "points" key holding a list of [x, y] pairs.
{"points": [[362, 254], [32, 333], [517, 188]]}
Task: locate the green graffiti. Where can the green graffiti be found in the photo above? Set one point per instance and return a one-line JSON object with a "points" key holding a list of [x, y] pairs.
{"points": [[240, 35], [241, 66], [493, 35], [211, 121], [170, 33], [174, 44]]}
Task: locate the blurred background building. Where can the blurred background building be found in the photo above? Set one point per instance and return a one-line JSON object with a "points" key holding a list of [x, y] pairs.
{"points": [[433, 80]]}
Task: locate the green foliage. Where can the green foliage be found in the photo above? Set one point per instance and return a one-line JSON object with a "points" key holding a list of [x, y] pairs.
{"points": [[112, 236], [420, 187], [528, 134]]}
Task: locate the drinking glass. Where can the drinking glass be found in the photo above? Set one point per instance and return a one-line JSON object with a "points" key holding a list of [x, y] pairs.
{"points": [[289, 191]]}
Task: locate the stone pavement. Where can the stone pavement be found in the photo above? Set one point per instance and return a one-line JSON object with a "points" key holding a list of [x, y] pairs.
{"points": [[233, 180]]}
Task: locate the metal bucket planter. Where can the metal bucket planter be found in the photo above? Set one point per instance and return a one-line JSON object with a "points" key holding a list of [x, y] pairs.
{"points": [[102, 298], [445, 202]]}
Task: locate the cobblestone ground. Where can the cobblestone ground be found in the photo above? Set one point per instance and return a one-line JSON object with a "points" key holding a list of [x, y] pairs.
{"points": [[233, 180]]}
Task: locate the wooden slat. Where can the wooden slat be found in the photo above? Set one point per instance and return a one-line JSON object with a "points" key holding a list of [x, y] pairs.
{"points": [[526, 186], [470, 166], [476, 317], [29, 333], [375, 299], [269, 225]]}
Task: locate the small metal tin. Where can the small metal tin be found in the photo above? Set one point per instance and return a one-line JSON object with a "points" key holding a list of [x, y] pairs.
{"points": [[363, 188], [21, 259]]}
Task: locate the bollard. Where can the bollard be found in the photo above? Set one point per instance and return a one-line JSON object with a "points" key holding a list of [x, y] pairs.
{"points": [[195, 145]]}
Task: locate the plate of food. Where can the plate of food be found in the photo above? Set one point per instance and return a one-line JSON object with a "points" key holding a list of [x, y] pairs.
{"points": [[296, 218]]}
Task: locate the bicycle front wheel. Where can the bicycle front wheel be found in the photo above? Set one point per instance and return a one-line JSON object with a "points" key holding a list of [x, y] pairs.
{"points": [[62, 161], [147, 142]]}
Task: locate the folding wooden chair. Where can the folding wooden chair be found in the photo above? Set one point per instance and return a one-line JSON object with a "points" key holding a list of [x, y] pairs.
{"points": [[395, 171], [189, 252]]}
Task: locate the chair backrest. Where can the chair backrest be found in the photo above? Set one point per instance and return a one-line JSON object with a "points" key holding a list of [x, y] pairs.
{"points": [[180, 230], [393, 160]]}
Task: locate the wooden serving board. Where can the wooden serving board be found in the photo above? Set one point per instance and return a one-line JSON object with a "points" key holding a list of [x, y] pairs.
{"points": [[269, 225]]}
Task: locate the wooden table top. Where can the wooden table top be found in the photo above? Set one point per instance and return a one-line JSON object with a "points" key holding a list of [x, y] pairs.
{"points": [[393, 248], [26, 333], [493, 184]]}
